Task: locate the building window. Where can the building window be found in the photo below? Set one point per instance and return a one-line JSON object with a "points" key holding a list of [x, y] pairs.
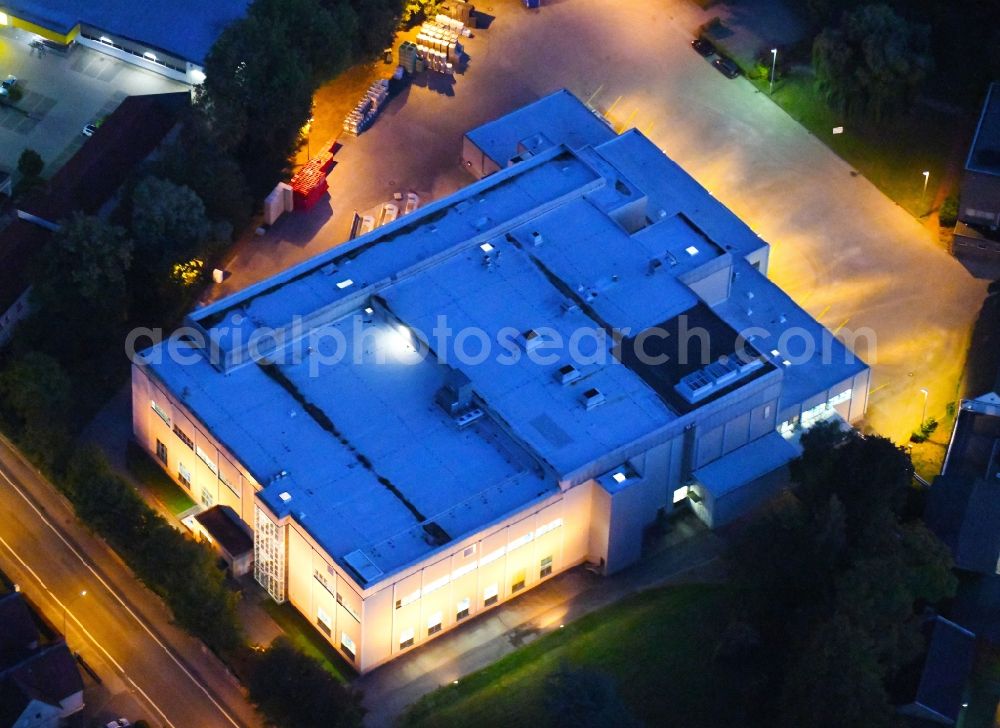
{"points": [[406, 638], [183, 437], [490, 595], [207, 459], [462, 611], [207, 498], [183, 474], [225, 482], [161, 452], [434, 623], [518, 583], [469, 551], [546, 567], [347, 645], [324, 622], [159, 410]]}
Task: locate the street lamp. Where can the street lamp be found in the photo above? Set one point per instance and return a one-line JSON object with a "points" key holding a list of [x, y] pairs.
{"points": [[66, 607], [927, 177], [923, 414], [774, 62]]}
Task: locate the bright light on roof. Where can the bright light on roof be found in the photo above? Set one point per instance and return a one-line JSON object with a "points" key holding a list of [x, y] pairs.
{"points": [[691, 250], [346, 283], [619, 477], [198, 76], [369, 310], [786, 363], [285, 496], [105, 39], [486, 248], [775, 352], [3, 19], [149, 56]]}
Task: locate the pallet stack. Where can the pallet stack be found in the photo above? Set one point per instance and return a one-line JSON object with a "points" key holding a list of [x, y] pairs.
{"points": [[309, 183], [438, 44], [368, 108]]}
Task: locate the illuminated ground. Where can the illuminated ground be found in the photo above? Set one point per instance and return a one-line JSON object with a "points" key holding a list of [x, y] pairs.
{"points": [[62, 93], [840, 247]]}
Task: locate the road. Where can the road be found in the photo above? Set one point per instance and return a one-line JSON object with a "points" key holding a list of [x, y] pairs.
{"points": [[842, 249], [148, 667]]}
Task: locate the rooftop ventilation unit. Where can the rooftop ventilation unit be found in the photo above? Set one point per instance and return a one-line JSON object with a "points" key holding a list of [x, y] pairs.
{"points": [[536, 238], [568, 306], [455, 396], [531, 340], [567, 374], [593, 398], [727, 370], [467, 417], [285, 496]]}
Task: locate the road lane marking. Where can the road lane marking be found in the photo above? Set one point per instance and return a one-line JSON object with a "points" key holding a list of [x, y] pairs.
{"points": [[117, 598]]}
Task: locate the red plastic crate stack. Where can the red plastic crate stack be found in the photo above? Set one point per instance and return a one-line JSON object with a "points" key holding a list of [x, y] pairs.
{"points": [[309, 183]]}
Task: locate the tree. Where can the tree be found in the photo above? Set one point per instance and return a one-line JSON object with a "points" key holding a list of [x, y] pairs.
{"points": [[30, 163], [37, 391], [581, 698], [293, 689], [835, 682], [377, 21], [168, 222], [258, 95], [873, 62], [322, 32]]}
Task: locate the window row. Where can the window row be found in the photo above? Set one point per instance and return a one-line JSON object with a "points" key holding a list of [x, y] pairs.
{"points": [[491, 595]]}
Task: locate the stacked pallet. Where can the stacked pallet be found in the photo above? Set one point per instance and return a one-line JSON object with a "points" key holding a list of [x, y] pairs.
{"points": [[309, 183], [368, 108], [438, 44]]}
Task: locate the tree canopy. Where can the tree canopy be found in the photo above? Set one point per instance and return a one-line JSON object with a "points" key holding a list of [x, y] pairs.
{"points": [[832, 586], [292, 689], [872, 63]]}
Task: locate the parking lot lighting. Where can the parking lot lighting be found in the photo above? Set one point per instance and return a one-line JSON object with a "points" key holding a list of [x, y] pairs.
{"points": [[774, 62]]}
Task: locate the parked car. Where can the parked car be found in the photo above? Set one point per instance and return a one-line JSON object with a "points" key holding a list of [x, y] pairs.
{"points": [[703, 47], [727, 67], [120, 723], [8, 85], [88, 131]]}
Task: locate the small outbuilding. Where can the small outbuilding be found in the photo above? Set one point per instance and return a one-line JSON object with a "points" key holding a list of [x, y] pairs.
{"points": [[223, 529]]}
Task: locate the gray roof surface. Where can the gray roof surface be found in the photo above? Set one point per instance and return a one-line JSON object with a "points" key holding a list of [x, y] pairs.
{"points": [[984, 155], [187, 28], [558, 118], [745, 464], [366, 460]]}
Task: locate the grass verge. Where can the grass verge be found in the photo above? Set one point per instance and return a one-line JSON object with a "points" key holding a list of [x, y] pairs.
{"points": [[147, 472], [651, 644], [305, 637]]}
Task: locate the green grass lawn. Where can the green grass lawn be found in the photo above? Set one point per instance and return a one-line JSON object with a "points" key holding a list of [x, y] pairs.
{"points": [[304, 636], [653, 645], [892, 154], [147, 472]]}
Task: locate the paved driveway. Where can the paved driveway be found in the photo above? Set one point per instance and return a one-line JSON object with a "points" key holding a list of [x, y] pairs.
{"points": [[62, 93], [842, 249]]}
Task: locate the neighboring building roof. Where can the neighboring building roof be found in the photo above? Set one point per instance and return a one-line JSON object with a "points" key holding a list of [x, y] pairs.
{"points": [[19, 635], [946, 670], [20, 242], [187, 28], [359, 453], [46, 673], [558, 118], [93, 175], [963, 506], [984, 155], [745, 464], [223, 525]]}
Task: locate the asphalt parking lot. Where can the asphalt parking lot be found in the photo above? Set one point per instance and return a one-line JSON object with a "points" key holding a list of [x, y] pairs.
{"points": [[842, 249], [62, 93]]}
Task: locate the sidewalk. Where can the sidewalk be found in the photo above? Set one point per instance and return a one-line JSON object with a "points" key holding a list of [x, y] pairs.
{"points": [[688, 551]]}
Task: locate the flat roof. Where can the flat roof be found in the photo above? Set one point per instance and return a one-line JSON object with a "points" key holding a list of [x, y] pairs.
{"points": [[745, 464], [344, 416], [558, 118], [984, 155], [186, 28]]}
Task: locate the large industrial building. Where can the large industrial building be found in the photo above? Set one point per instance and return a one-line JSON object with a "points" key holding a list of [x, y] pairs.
{"points": [[171, 38], [427, 421]]}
